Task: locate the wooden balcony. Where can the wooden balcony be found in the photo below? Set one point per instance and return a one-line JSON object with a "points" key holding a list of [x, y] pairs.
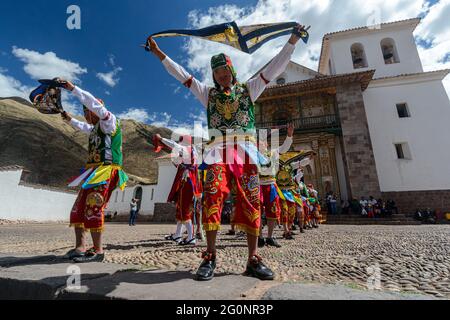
{"points": [[328, 123]]}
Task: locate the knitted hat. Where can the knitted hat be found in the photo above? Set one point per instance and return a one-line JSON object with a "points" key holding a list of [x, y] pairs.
{"points": [[222, 60]]}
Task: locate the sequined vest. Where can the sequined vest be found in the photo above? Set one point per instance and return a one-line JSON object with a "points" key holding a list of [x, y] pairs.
{"points": [[105, 148], [235, 111]]}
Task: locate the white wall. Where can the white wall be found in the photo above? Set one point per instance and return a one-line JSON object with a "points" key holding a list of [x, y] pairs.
{"points": [[294, 73], [120, 200], [166, 176], [406, 47], [427, 132], [27, 203], [341, 169]]}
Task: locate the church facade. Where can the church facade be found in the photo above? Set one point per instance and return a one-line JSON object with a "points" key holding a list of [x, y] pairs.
{"points": [[376, 120]]}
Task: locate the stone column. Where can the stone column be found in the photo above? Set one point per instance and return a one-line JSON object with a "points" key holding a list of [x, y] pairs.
{"points": [[358, 151]]}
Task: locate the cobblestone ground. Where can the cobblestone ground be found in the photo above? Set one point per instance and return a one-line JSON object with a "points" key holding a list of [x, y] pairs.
{"points": [[411, 259]]}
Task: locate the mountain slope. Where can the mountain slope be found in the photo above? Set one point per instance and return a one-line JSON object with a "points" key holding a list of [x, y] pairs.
{"points": [[54, 152]]}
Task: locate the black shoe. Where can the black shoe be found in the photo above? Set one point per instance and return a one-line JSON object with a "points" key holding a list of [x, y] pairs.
{"points": [[294, 227], [205, 271], [261, 242], [90, 256], [271, 242], [72, 254], [199, 236], [185, 242], [170, 237], [231, 233], [288, 236], [302, 230], [257, 269]]}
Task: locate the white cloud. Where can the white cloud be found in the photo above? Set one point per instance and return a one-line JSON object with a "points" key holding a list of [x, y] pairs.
{"points": [[324, 16], [110, 77], [48, 65], [177, 90], [112, 59], [194, 124], [435, 26], [11, 87], [140, 115]]}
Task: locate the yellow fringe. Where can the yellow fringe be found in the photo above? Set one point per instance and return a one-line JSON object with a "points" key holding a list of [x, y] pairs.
{"points": [[211, 227], [77, 225], [95, 230], [247, 229]]}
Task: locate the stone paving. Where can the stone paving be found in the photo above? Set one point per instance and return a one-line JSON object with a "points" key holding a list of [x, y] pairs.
{"points": [[405, 259]]}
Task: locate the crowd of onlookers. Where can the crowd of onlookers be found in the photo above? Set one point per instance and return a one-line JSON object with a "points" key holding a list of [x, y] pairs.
{"points": [[368, 207]]}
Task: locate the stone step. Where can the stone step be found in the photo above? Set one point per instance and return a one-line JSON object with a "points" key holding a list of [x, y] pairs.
{"points": [[373, 222]]}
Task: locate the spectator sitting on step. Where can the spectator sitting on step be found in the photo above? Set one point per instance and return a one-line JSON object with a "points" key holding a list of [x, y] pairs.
{"points": [[364, 206], [381, 208], [391, 207], [345, 205], [355, 206], [371, 204]]}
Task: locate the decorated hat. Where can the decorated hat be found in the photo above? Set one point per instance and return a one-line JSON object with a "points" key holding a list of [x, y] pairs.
{"points": [[222, 60]]}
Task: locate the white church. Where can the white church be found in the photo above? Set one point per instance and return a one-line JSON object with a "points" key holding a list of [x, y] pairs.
{"points": [[378, 123]]}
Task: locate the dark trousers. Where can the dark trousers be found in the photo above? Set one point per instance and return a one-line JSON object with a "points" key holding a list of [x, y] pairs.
{"points": [[132, 221]]}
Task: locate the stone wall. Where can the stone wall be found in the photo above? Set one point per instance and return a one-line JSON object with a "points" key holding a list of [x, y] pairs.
{"points": [[362, 177], [164, 213], [409, 201]]}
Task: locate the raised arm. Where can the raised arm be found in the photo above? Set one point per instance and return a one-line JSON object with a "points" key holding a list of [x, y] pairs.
{"points": [[288, 142], [108, 121], [175, 147], [82, 126], [198, 89], [78, 125], [275, 67]]}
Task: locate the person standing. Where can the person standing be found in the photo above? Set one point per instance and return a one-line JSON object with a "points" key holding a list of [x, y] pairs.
{"points": [[133, 212], [103, 173], [230, 109]]}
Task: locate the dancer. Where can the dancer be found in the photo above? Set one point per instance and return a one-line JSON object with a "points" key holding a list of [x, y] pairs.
{"points": [[270, 200], [230, 109], [102, 175], [314, 206], [186, 187]]}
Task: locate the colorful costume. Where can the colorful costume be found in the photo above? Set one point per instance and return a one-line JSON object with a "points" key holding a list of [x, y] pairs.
{"points": [[288, 193], [314, 205], [103, 172], [270, 199], [288, 183], [186, 187], [232, 154]]}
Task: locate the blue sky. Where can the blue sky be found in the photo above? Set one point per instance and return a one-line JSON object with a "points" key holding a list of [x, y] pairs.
{"points": [[107, 28], [111, 32]]}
